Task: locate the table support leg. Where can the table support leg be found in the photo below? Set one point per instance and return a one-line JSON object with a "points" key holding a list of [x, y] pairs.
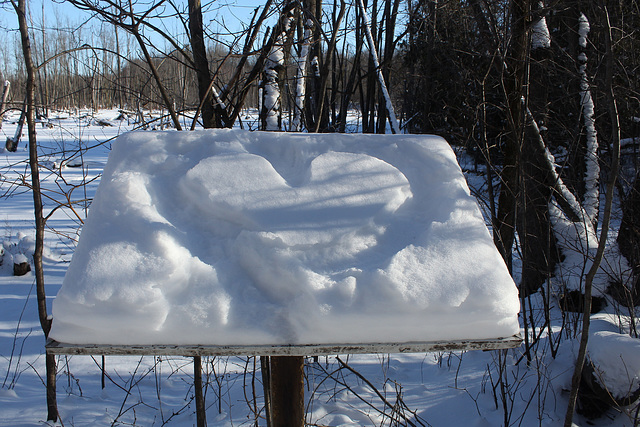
{"points": [[287, 391]]}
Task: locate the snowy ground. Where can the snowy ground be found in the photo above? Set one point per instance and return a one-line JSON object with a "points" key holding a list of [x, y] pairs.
{"points": [[439, 389]]}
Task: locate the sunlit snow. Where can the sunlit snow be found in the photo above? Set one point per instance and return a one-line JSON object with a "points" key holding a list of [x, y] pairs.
{"points": [[238, 238]]}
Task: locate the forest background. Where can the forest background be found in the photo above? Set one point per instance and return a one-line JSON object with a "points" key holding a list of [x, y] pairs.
{"points": [[543, 95]]}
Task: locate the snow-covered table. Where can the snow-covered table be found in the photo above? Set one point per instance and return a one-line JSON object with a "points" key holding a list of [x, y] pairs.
{"points": [[235, 242]]}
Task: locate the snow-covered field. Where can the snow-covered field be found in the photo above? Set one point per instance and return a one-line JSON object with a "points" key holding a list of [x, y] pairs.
{"points": [[438, 389]]}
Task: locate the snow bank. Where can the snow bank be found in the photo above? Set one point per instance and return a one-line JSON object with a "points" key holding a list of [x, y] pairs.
{"points": [[237, 238], [615, 355]]}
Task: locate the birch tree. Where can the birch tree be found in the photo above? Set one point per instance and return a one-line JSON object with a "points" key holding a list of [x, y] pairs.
{"points": [[271, 105], [302, 62], [3, 99]]}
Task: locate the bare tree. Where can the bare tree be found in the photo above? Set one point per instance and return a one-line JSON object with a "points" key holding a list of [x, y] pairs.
{"points": [[45, 321], [388, 106], [124, 16], [615, 163]]}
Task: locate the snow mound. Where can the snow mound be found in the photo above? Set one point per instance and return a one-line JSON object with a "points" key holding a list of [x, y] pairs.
{"points": [[16, 249], [615, 355], [229, 237]]}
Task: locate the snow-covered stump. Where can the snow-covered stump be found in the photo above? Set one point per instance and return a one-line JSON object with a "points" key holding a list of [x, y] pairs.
{"points": [[15, 254], [21, 265], [611, 376], [595, 399]]}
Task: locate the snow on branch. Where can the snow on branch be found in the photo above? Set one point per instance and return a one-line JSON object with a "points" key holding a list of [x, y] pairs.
{"points": [[540, 36], [592, 173], [218, 100], [567, 202], [583, 30]]}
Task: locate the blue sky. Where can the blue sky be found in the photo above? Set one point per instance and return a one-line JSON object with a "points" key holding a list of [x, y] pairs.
{"points": [[220, 17]]}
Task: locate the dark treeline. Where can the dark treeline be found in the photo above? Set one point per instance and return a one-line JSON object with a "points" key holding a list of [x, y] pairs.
{"points": [[103, 86], [444, 62]]}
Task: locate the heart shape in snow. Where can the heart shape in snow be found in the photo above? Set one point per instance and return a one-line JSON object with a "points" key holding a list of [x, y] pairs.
{"points": [[339, 193]]}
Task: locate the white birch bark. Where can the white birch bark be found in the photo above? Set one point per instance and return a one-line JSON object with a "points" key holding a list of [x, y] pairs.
{"points": [[592, 173], [3, 101], [271, 90], [216, 97], [301, 74]]}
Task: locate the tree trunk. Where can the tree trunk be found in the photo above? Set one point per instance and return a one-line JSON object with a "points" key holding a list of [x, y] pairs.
{"points": [[515, 81], [3, 101], [45, 321], [198, 47], [376, 67], [287, 391], [154, 71], [271, 111], [537, 240], [12, 143], [322, 108], [350, 86], [201, 414], [369, 111], [313, 102], [606, 217], [301, 73], [44, 96]]}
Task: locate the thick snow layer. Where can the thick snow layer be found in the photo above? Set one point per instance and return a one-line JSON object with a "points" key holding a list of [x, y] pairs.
{"points": [[540, 36], [238, 238], [583, 30], [615, 355], [592, 173]]}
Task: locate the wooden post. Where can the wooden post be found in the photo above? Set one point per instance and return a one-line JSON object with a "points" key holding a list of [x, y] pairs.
{"points": [[265, 368], [287, 391], [201, 416]]}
